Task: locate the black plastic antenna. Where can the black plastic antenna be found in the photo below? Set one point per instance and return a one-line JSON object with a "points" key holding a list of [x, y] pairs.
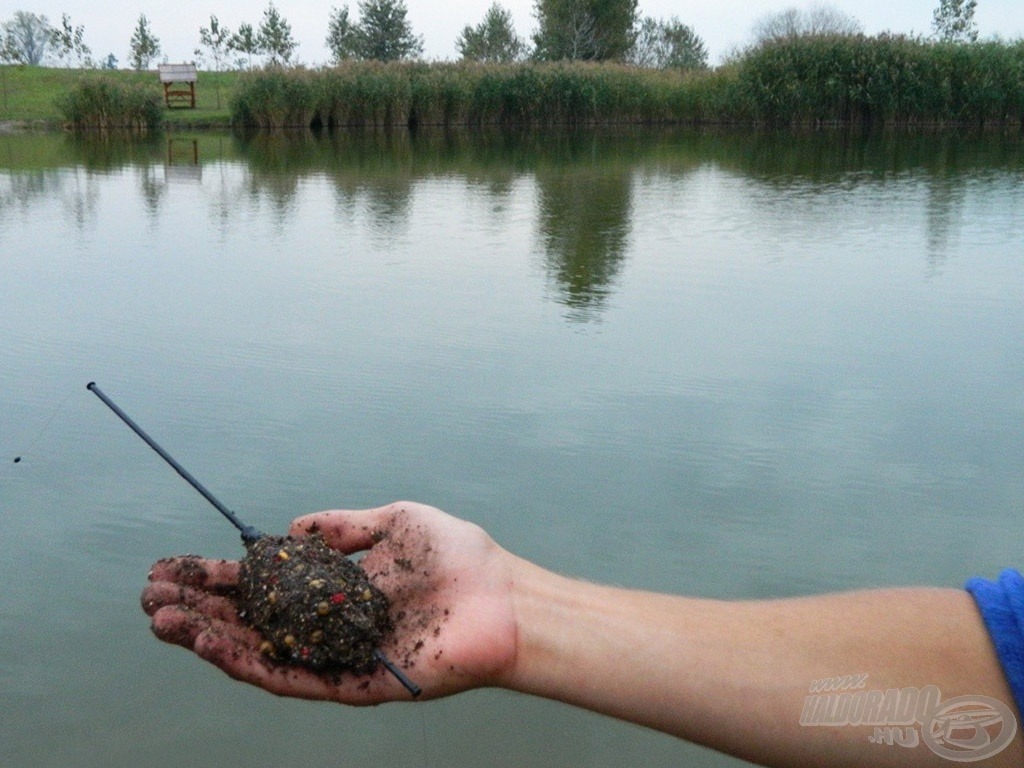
{"points": [[249, 533]]}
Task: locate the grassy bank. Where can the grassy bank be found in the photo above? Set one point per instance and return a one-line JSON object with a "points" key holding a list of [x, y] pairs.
{"points": [[30, 95], [884, 80]]}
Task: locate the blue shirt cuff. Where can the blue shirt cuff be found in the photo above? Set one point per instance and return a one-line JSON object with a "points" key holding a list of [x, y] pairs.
{"points": [[1002, 607]]}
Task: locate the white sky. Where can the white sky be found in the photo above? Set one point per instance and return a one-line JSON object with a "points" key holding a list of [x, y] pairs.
{"points": [[723, 24]]}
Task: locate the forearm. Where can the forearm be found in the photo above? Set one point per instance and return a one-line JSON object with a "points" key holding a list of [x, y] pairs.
{"points": [[735, 676]]}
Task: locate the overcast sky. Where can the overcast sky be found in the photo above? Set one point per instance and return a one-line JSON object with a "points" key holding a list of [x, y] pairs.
{"points": [[723, 24]]}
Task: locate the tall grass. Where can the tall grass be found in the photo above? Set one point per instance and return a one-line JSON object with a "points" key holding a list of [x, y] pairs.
{"points": [[374, 94], [105, 104], [885, 79], [809, 80]]}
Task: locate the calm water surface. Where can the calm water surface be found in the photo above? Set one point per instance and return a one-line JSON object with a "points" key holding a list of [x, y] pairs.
{"points": [[727, 365]]}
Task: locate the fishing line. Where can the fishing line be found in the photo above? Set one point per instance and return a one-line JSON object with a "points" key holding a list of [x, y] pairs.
{"points": [[423, 730], [44, 430]]}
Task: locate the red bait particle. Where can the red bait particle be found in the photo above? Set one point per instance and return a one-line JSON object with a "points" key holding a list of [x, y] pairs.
{"points": [[338, 597]]}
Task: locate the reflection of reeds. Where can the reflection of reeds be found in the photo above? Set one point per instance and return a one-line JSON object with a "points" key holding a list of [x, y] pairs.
{"points": [[811, 80], [104, 104]]}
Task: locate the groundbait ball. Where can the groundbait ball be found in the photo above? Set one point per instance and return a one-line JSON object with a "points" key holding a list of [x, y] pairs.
{"points": [[313, 606]]}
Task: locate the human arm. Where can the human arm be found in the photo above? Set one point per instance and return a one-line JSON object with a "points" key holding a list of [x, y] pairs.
{"points": [[731, 675], [735, 676]]}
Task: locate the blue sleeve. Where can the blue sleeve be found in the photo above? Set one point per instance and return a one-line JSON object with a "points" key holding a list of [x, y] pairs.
{"points": [[1002, 607]]}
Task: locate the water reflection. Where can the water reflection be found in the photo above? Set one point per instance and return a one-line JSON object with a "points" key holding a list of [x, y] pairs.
{"points": [[108, 151], [24, 187], [584, 183], [183, 163], [944, 210], [584, 219], [77, 192]]}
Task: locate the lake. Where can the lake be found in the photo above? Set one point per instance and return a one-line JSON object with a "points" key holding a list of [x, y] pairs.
{"points": [[726, 364]]}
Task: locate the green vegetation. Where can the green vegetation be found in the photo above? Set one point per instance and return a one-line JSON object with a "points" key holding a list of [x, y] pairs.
{"points": [[668, 44], [807, 80], [953, 21], [584, 30], [104, 104], [492, 40], [31, 94], [885, 80], [145, 46], [372, 94], [383, 33], [275, 37]]}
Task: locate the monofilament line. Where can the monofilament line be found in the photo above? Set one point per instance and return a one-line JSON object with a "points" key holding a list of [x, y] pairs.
{"points": [[44, 430]]}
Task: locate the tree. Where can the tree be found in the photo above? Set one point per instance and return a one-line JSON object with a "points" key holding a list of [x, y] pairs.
{"points": [[144, 46], [110, 62], [245, 41], [953, 21], [215, 38], [26, 39], [668, 45], [341, 36], [493, 39], [275, 37], [816, 21], [384, 33], [584, 29], [69, 42]]}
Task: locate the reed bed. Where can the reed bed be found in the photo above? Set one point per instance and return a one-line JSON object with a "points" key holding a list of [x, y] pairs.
{"points": [[805, 81], [375, 94], [885, 80], [106, 104]]}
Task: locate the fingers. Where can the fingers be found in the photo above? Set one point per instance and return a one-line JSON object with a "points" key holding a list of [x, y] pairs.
{"points": [[164, 593], [236, 657], [235, 649], [179, 626], [217, 576]]}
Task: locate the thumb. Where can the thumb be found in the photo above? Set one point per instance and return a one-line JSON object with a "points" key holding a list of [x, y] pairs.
{"points": [[345, 530]]}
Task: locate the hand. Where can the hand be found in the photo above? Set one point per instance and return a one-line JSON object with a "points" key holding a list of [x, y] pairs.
{"points": [[449, 584]]}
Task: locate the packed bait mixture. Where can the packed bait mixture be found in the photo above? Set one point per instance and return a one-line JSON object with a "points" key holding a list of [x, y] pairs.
{"points": [[312, 605]]}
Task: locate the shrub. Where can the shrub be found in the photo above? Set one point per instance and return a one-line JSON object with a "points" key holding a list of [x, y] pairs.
{"points": [[103, 104]]}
